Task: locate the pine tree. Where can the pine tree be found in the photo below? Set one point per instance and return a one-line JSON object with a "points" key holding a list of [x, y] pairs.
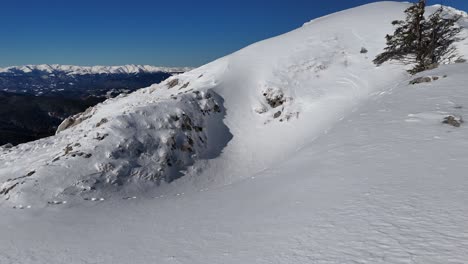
{"points": [[407, 38], [424, 43], [442, 34]]}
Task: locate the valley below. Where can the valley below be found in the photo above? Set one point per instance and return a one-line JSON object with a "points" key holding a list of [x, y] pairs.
{"points": [[35, 100]]}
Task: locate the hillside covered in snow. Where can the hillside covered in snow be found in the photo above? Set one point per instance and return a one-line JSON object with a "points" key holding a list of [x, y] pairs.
{"points": [[296, 149]]}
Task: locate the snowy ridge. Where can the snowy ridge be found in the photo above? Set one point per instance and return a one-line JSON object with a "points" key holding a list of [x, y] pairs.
{"points": [[83, 70]]}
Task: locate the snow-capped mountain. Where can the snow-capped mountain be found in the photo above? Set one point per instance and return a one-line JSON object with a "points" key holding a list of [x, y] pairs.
{"points": [[81, 70], [296, 149]]}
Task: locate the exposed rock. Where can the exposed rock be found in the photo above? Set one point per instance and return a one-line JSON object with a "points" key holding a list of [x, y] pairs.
{"points": [[185, 85], [277, 114], [7, 189], [453, 121], [56, 202], [75, 120], [79, 154], [186, 147], [31, 173], [70, 121], [274, 98], [68, 149], [364, 50], [101, 136], [173, 83], [320, 67], [425, 79], [103, 121], [186, 123]]}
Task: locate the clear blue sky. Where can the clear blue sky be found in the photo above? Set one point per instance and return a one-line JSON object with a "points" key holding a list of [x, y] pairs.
{"points": [[172, 33]]}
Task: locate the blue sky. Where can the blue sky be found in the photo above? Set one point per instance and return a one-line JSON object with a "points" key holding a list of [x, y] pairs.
{"points": [[172, 33]]}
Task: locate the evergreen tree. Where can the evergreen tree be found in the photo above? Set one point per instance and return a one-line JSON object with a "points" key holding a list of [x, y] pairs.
{"points": [[407, 38], [424, 43], [442, 33]]}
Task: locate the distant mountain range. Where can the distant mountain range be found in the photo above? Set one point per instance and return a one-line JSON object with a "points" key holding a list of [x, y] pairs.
{"points": [[80, 70], [81, 81]]}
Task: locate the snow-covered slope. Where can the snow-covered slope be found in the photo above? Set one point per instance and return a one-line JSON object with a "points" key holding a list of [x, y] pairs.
{"points": [[387, 184], [82, 70], [296, 149], [215, 125]]}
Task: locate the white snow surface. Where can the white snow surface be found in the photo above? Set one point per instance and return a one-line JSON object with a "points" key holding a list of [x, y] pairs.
{"points": [[302, 152], [83, 70]]}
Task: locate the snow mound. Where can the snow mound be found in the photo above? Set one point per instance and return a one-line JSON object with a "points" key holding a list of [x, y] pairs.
{"points": [[217, 124], [115, 144]]}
